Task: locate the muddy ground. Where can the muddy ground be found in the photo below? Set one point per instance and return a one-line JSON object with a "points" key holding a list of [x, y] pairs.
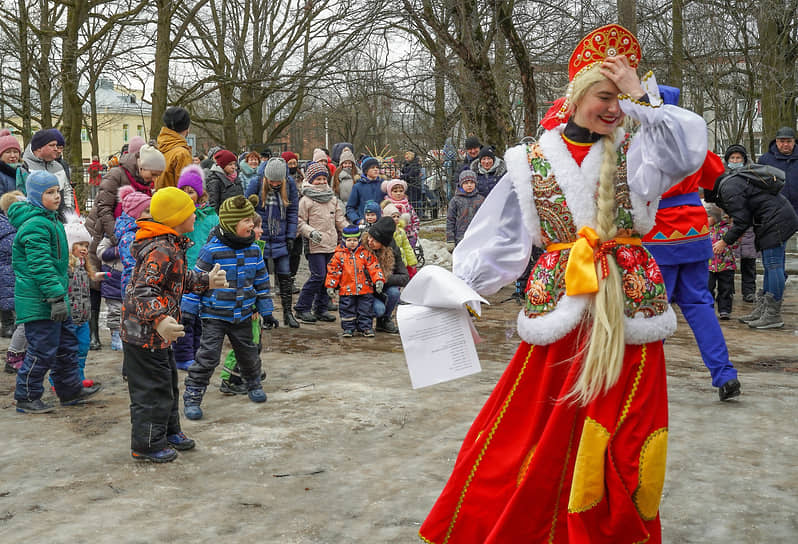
{"points": [[345, 451]]}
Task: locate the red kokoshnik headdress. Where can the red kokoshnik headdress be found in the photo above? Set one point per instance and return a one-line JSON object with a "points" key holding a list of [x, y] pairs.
{"points": [[606, 41]]}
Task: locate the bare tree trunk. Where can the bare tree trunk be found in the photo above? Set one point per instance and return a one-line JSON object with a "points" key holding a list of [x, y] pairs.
{"points": [[44, 71], [163, 50], [24, 71], [677, 60], [525, 70], [627, 14], [778, 54], [72, 116]]}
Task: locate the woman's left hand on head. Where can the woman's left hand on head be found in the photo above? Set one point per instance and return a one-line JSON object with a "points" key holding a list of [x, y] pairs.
{"points": [[618, 70]]}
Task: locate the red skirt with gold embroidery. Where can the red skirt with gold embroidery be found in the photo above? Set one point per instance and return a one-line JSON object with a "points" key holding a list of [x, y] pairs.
{"points": [[532, 469]]}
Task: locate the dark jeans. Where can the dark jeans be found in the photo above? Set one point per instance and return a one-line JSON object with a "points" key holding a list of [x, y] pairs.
{"points": [[385, 303], [53, 346], [748, 275], [152, 384], [357, 312], [314, 295], [724, 282], [773, 261], [210, 351], [186, 347]]}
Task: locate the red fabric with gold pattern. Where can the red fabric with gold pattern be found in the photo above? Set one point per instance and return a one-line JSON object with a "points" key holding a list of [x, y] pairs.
{"points": [[532, 469], [606, 41]]}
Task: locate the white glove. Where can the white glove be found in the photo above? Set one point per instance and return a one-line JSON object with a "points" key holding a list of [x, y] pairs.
{"points": [[169, 329], [331, 292], [315, 237], [378, 285], [217, 279]]}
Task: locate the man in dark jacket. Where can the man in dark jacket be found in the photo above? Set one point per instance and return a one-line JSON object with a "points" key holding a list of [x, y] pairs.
{"points": [[751, 196], [472, 147], [783, 154]]}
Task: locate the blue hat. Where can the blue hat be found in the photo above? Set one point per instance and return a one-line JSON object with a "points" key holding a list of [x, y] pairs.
{"points": [[368, 162], [351, 231], [670, 95], [44, 137], [37, 183], [372, 207]]}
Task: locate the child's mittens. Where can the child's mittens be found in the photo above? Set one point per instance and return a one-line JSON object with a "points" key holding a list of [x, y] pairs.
{"points": [[169, 329], [450, 246], [58, 309], [315, 237], [217, 279], [331, 291], [378, 285], [269, 322]]}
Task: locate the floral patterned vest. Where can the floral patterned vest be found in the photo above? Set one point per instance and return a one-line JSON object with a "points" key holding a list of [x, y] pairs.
{"points": [[643, 286]]}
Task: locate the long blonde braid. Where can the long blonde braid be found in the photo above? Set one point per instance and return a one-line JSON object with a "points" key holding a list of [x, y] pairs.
{"points": [[602, 364]]}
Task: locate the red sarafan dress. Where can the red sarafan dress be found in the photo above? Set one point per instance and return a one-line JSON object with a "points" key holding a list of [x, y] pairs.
{"points": [[535, 468]]}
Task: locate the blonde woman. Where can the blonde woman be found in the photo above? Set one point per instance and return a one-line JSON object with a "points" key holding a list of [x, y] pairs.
{"points": [[570, 446]]}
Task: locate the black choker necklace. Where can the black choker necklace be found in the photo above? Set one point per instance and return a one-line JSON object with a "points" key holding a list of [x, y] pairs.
{"points": [[580, 135]]}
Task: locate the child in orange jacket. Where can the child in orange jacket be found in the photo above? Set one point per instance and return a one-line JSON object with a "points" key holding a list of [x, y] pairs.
{"points": [[354, 269]]}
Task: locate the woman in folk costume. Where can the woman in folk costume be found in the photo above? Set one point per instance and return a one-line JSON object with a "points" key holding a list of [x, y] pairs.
{"points": [[570, 446]]}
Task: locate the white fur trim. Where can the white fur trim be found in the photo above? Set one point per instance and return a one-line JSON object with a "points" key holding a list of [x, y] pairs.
{"points": [[521, 176], [550, 327], [642, 330]]}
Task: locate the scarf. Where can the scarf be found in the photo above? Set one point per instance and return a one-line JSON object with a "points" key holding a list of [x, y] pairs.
{"points": [[274, 221], [318, 193], [231, 240]]}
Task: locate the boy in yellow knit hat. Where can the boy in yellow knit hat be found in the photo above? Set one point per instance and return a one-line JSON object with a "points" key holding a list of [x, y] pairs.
{"points": [[151, 322]]}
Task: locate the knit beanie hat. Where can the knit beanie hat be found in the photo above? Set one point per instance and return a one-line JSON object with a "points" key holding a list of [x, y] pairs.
{"points": [[346, 155], [176, 118], [319, 155], [59, 138], [467, 175], [75, 228], [314, 170], [151, 159], [133, 202], [734, 148], [487, 152], [8, 141], [136, 142], [234, 209], [785, 132], [37, 183], [289, 156], [275, 169], [351, 231], [44, 137], [472, 142], [383, 230], [192, 176], [170, 206], [389, 184], [224, 157], [389, 209], [368, 162], [372, 206]]}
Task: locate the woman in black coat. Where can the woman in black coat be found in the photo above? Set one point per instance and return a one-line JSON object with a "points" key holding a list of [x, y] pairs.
{"points": [[751, 196]]}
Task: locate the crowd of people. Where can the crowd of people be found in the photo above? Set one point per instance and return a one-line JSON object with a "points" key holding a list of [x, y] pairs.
{"points": [[601, 229]]}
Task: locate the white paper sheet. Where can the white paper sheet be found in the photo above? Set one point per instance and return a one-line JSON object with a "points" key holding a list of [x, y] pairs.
{"points": [[436, 287], [438, 343]]}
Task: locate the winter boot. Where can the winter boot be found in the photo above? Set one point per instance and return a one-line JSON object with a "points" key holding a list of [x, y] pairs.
{"points": [[192, 398], [6, 323], [294, 289], [116, 341], [285, 297], [94, 331], [386, 324], [756, 313], [771, 315], [14, 361]]}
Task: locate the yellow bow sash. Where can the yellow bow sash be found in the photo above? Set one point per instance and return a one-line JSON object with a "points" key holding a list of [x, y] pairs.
{"points": [[580, 272]]}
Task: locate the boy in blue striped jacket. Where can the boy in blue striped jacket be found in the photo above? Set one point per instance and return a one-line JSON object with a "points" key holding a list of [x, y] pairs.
{"points": [[229, 311]]}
